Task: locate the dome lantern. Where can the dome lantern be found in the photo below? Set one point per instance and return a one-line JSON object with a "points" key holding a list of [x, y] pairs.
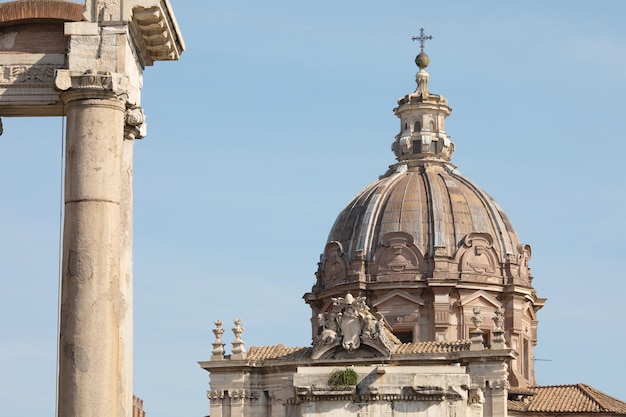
{"points": [[422, 118]]}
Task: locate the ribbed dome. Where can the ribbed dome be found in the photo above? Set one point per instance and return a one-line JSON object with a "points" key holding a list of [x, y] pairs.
{"points": [[433, 203], [422, 219]]}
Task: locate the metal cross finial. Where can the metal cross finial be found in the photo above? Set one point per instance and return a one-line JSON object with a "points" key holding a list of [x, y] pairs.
{"points": [[422, 39]]}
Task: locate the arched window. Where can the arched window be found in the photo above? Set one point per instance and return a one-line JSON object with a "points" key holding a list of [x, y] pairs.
{"points": [[417, 127], [431, 125]]}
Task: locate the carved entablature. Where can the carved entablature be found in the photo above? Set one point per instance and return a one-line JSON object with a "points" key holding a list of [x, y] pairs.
{"points": [[32, 47], [397, 259], [215, 395], [351, 330], [499, 385], [477, 259], [335, 269], [240, 394], [28, 75], [385, 393], [29, 86]]}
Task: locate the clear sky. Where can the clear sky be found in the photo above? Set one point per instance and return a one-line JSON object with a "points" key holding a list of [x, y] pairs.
{"points": [[275, 116]]}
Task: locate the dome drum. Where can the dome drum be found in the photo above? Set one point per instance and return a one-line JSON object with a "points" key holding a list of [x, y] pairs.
{"points": [[398, 260]]}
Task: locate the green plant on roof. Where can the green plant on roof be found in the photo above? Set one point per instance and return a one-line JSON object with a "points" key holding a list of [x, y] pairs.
{"points": [[340, 378]]}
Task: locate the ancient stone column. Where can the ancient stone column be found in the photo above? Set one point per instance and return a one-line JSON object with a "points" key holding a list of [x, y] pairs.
{"points": [[94, 301], [86, 61]]}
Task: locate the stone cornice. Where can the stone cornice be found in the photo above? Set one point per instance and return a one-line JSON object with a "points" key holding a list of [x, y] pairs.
{"points": [[151, 23], [155, 31]]}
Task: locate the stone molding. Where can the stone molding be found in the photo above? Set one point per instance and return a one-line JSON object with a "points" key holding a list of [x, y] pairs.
{"points": [[308, 395]]}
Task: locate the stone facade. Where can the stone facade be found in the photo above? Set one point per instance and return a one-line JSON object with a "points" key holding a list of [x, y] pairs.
{"points": [[419, 379]]}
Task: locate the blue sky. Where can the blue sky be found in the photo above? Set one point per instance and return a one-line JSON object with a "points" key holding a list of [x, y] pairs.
{"points": [[275, 116]]}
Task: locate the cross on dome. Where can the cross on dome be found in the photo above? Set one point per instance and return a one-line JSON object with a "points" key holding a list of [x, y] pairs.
{"points": [[422, 38]]}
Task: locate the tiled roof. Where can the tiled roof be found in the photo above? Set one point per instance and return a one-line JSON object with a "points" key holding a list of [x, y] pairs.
{"points": [[433, 347], [577, 398], [280, 352]]}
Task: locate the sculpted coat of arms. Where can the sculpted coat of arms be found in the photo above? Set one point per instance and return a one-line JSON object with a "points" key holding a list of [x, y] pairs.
{"points": [[352, 324]]}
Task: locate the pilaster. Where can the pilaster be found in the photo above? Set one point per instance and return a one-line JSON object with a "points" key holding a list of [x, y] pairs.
{"points": [[441, 307], [490, 375]]}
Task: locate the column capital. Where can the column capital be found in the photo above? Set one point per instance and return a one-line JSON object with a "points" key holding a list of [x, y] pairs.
{"points": [[91, 84]]}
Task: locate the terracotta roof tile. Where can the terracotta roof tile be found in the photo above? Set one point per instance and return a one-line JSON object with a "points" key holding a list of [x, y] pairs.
{"points": [[280, 352], [283, 352], [516, 405], [575, 398], [433, 347]]}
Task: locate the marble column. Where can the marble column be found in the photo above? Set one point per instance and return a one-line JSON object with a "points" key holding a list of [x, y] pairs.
{"points": [[95, 365]]}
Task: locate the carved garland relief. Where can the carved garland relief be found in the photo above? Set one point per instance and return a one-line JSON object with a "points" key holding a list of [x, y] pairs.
{"points": [[27, 74]]}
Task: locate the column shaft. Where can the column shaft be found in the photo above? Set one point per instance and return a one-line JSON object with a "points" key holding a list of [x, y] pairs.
{"points": [[126, 283], [94, 294]]}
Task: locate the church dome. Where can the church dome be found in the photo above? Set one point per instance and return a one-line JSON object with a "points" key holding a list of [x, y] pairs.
{"points": [[422, 219], [435, 208], [427, 248]]}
